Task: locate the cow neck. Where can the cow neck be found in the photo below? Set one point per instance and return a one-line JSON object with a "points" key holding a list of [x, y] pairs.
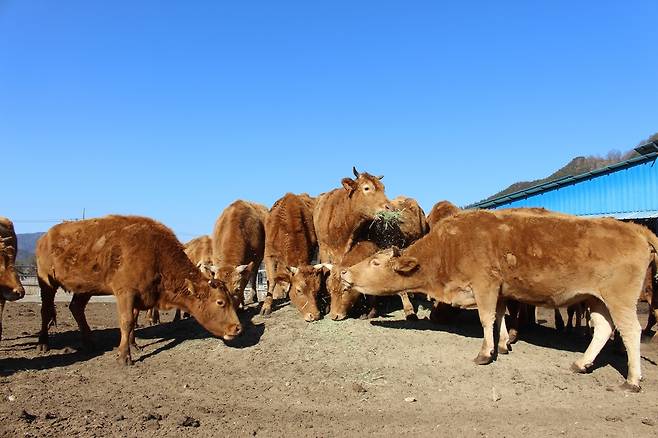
{"points": [[430, 274], [176, 293]]}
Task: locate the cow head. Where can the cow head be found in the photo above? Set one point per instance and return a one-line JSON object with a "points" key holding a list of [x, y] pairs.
{"points": [[386, 273], [440, 211], [305, 285], [343, 297], [213, 308], [366, 193], [11, 288], [235, 278]]}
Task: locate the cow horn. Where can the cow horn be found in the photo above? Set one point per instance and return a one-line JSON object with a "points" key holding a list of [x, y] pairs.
{"points": [[356, 173], [380, 177], [329, 266], [293, 269]]}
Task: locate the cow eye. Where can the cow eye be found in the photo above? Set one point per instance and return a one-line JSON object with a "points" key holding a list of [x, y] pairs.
{"points": [[375, 262], [221, 303], [366, 189]]}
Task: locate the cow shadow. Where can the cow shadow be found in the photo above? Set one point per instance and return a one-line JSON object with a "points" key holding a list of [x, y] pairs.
{"points": [[467, 324], [66, 347]]}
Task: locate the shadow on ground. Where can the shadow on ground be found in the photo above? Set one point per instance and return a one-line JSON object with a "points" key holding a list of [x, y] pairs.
{"points": [[66, 347]]}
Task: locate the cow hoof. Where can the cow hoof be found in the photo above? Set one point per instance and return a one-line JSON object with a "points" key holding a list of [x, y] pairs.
{"points": [[136, 347], [513, 336], [411, 317], [629, 387], [481, 359], [43, 348], [504, 349], [265, 311], [580, 369], [125, 360]]}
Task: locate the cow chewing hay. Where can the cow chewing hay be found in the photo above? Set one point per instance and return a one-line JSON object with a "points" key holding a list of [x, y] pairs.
{"points": [[388, 218]]}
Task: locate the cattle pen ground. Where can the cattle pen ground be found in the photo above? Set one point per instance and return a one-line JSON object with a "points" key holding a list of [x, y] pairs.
{"points": [[286, 377]]}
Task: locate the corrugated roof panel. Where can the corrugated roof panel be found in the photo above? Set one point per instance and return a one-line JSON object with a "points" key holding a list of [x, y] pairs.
{"points": [[629, 190]]}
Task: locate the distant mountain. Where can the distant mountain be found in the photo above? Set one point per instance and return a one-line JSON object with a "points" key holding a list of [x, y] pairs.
{"points": [[577, 166], [27, 244]]}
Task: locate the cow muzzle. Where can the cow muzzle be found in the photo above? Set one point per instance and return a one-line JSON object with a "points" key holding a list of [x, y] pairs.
{"points": [[232, 332], [310, 317], [14, 294]]}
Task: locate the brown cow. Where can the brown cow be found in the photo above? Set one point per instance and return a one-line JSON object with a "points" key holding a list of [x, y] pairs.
{"points": [[480, 258], [290, 242], [136, 259], [340, 214], [410, 226], [11, 288], [238, 245], [307, 284]]}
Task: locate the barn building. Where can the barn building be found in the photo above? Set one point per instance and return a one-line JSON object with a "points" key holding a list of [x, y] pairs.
{"points": [[627, 191]]}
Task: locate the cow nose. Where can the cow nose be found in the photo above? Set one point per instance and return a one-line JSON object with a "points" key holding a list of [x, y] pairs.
{"points": [[237, 330], [19, 291], [310, 317]]}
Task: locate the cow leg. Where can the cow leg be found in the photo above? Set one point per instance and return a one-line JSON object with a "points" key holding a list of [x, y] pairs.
{"points": [[625, 319], [371, 301], [602, 330], [504, 346], [409, 312], [267, 304], [153, 315], [77, 308], [48, 314], [125, 307], [513, 309], [559, 321], [487, 303], [2, 309], [254, 287]]}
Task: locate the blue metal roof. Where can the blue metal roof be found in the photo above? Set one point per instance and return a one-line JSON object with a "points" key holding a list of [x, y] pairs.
{"points": [[627, 190]]}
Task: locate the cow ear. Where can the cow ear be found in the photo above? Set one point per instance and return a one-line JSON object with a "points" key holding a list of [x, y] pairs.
{"points": [[395, 251], [349, 184], [405, 264]]}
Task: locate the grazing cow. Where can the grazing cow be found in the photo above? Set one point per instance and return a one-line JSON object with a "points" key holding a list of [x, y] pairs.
{"points": [[480, 258], [410, 226], [340, 214], [11, 288], [238, 245], [136, 259], [290, 242], [307, 284]]}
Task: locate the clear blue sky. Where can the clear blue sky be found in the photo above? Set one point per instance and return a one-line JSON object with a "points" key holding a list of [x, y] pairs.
{"points": [[173, 112]]}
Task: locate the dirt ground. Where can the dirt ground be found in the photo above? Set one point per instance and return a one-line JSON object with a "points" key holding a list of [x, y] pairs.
{"points": [[285, 377]]}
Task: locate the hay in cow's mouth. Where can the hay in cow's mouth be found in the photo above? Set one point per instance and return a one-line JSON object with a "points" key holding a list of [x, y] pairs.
{"points": [[388, 218]]}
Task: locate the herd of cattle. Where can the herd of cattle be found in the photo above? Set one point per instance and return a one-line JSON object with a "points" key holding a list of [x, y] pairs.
{"points": [[346, 244]]}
